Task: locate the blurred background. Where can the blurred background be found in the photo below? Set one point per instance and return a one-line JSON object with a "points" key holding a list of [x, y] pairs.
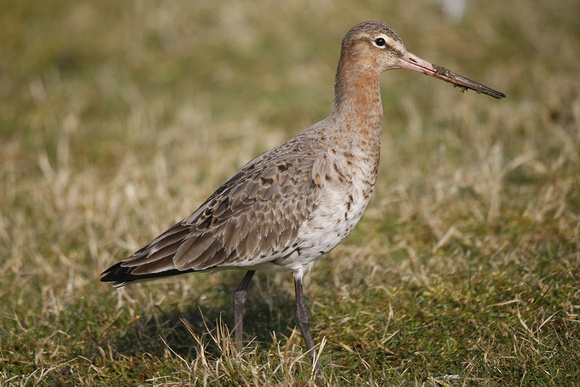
{"points": [[118, 119]]}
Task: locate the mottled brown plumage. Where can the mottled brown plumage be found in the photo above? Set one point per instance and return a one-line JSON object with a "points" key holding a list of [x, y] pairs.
{"points": [[293, 204]]}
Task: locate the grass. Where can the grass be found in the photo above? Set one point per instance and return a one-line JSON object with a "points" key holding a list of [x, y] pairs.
{"points": [[119, 118]]}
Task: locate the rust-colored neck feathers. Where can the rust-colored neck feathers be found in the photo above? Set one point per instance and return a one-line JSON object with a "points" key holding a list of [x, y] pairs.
{"points": [[357, 96]]}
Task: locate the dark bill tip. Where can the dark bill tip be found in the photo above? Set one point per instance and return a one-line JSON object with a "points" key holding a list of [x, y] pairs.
{"points": [[464, 83], [413, 62]]}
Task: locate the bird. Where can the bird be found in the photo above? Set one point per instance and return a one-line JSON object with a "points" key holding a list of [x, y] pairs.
{"points": [[293, 204]]}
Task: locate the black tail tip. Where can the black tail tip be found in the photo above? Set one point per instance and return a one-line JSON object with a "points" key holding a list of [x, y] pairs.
{"points": [[119, 275]]}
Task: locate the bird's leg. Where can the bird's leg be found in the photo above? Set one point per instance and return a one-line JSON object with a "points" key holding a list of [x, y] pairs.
{"points": [[304, 322], [240, 308]]}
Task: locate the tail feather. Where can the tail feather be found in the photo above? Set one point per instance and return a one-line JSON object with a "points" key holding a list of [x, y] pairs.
{"points": [[121, 275]]}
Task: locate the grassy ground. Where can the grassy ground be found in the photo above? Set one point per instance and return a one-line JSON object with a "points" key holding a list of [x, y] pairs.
{"points": [[119, 118]]}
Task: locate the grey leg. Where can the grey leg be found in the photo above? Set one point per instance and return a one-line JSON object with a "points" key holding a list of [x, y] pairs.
{"points": [[304, 322], [240, 308]]}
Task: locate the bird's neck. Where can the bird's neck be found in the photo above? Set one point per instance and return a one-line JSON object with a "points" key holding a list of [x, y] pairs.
{"points": [[358, 109]]}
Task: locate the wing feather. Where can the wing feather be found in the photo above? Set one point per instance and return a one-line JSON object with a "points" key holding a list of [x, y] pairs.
{"points": [[252, 217]]}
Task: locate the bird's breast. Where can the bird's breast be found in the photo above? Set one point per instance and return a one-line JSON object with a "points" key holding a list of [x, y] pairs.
{"points": [[346, 185]]}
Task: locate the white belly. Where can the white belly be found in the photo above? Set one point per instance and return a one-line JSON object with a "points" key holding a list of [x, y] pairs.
{"points": [[339, 210]]}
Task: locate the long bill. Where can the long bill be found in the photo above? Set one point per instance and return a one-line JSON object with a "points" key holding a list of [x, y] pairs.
{"points": [[413, 62]]}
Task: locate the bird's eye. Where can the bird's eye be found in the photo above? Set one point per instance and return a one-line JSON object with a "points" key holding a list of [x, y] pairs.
{"points": [[380, 42]]}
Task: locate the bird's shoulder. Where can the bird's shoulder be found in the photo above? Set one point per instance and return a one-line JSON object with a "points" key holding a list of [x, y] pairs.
{"points": [[279, 179]]}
